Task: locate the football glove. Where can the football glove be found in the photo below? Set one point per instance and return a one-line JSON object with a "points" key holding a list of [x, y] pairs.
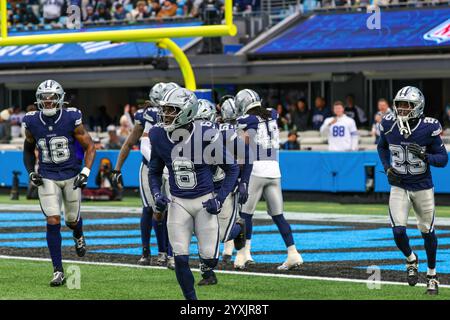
{"points": [[161, 202], [243, 192], [417, 150], [213, 206], [36, 179], [393, 177], [116, 178], [81, 179]]}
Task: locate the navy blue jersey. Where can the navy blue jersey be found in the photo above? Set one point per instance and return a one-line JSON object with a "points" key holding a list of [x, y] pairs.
{"points": [[189, 160], [393, 151], [143, 116], [238, 149], [263, 134], [55, 140]]}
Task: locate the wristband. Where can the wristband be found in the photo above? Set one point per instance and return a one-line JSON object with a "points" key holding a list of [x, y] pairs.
{"points": [[86, 171]]}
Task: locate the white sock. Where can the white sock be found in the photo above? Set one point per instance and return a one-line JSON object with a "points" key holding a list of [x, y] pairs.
{"points": [[431, 272], [228, 247], [411, 257], [292, 250]]}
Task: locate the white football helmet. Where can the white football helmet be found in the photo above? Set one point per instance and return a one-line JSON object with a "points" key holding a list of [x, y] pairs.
{"points": [[409, 103], [206, 110], [50, 97], [178, 107], [245, 100]]}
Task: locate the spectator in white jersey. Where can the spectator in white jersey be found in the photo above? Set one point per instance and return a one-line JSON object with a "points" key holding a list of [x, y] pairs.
{"points": [[341, 130]]}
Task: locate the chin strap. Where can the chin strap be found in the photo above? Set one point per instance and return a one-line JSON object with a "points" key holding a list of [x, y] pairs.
{"points": [[404, 130]]}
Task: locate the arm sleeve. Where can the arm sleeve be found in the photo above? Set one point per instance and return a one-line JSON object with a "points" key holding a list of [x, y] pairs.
{"points": [[231, 175], [437, 155], [146, 148], [155, 172], [29, 158], [383, 151], [247, 167]]}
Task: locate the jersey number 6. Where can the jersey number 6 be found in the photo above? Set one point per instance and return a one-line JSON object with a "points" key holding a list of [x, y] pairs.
{"points": [[184, 172]]}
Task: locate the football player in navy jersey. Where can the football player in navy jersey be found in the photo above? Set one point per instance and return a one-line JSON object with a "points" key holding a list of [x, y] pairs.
{"points": [[143, 118], [231, 227], [409, 144], [189, 148], [55, 131], [261, 133]]}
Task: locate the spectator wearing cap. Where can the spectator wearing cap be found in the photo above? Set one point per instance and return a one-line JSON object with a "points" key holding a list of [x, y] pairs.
{"points": [[320, 113], [115, 142], [168, 9], [292, 142]]}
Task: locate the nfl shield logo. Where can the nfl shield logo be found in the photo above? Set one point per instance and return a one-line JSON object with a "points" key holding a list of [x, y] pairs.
{"points": [[440, 34], [50, 128]]}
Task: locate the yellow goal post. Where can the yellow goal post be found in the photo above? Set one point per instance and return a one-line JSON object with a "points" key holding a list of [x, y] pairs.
{"points": [[161, 36]]}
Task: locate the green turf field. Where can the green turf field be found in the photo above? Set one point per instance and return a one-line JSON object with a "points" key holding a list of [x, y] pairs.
{"points": [[294, 206], [29, 280]]}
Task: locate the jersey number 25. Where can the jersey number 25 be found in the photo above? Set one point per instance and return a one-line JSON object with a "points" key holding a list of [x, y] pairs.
{"points": [[405, 162]]}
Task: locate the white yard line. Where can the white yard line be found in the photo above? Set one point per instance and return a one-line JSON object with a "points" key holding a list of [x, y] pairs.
{"points": [[258, 274], [260, 215]]}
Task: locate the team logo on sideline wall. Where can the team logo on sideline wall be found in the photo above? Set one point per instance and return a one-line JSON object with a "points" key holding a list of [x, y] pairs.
{"points": [[440, 34]]}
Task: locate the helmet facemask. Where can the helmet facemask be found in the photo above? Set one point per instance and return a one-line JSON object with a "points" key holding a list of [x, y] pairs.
{"points": [[404, 111], [49, 102], [169, 116]]}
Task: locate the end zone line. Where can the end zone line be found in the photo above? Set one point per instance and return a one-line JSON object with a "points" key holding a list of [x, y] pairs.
{"points": [[246, 273]]}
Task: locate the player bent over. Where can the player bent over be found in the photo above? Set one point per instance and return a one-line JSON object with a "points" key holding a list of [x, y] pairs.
{"points": [[183, 145], [413, 143], [54, 130]]}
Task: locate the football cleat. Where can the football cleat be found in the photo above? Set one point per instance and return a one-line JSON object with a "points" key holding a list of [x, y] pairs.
{"points": [[162, 259], [80, 246], [432, 285], [144, 261], [412, 271], [239, 241], [293, 262], [58, 279], [209, 281], [226, 259], [171, 263]]}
